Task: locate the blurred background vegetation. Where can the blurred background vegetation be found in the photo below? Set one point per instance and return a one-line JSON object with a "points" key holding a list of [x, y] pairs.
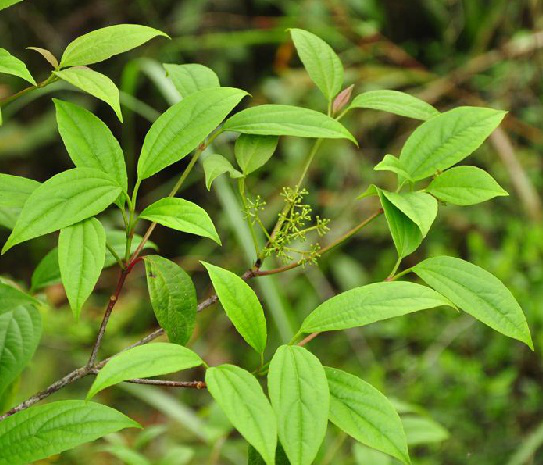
{"points": [[486, 390]]}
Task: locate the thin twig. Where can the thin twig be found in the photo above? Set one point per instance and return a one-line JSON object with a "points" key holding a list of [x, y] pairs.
{"points": [[307, 339], [168, 383], [112, 301], [26, 90], [56, 386]]}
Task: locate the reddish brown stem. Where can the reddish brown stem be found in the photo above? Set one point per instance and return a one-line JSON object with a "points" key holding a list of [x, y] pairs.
{"points": [[307, 339], [112, 301]]}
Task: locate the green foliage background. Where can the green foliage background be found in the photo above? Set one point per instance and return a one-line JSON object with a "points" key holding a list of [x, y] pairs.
{"points": [[484, 388]]}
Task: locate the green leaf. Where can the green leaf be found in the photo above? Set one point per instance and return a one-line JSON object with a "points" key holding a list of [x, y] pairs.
{"points": [[241, 305], [423, 431], [286, 120], [215, 165], [419, 207], [184, 126], [10, 298], [367, 304], [89, 141], [301, 399], [47, 272], [8, 216], [365, 414], [391, 163], [465, 185], [117, 241], [41, 431], [20, 333], [148, 360], [47, 54], [392, 101], [242, 400], [371, 191], [173, 297], [63, 200], [477, 292], [181, 215], [447, 139], [14, 190], [191, 78], [12, 65], [321, 62], [6, 3], [103, 43], [81, 257], [405, 233], [252, 151], [96, 84]]}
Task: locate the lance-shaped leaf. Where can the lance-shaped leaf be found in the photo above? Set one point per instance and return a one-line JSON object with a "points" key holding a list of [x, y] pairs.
{"points": [[8, 216], [465, 185], [301, 399], [286, 120], [102, 44], [367, 304], [81, 257], [405, 233], [96, 84], [252, 151], [47, 272], [89, 141], [477, 292], [181, 215], [241, 305], [184, 126], [447, 139], [14, 190], [20, 333], [321, 62], [365, 414], [215, 165], [41, 431], [148, 360], [191, 78], [47, 54], [63, 200], [419, 207], [242, 400], [12, 65], [173, 297], [10, 298], [391, 163], [117, 241], [392, 101]]}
